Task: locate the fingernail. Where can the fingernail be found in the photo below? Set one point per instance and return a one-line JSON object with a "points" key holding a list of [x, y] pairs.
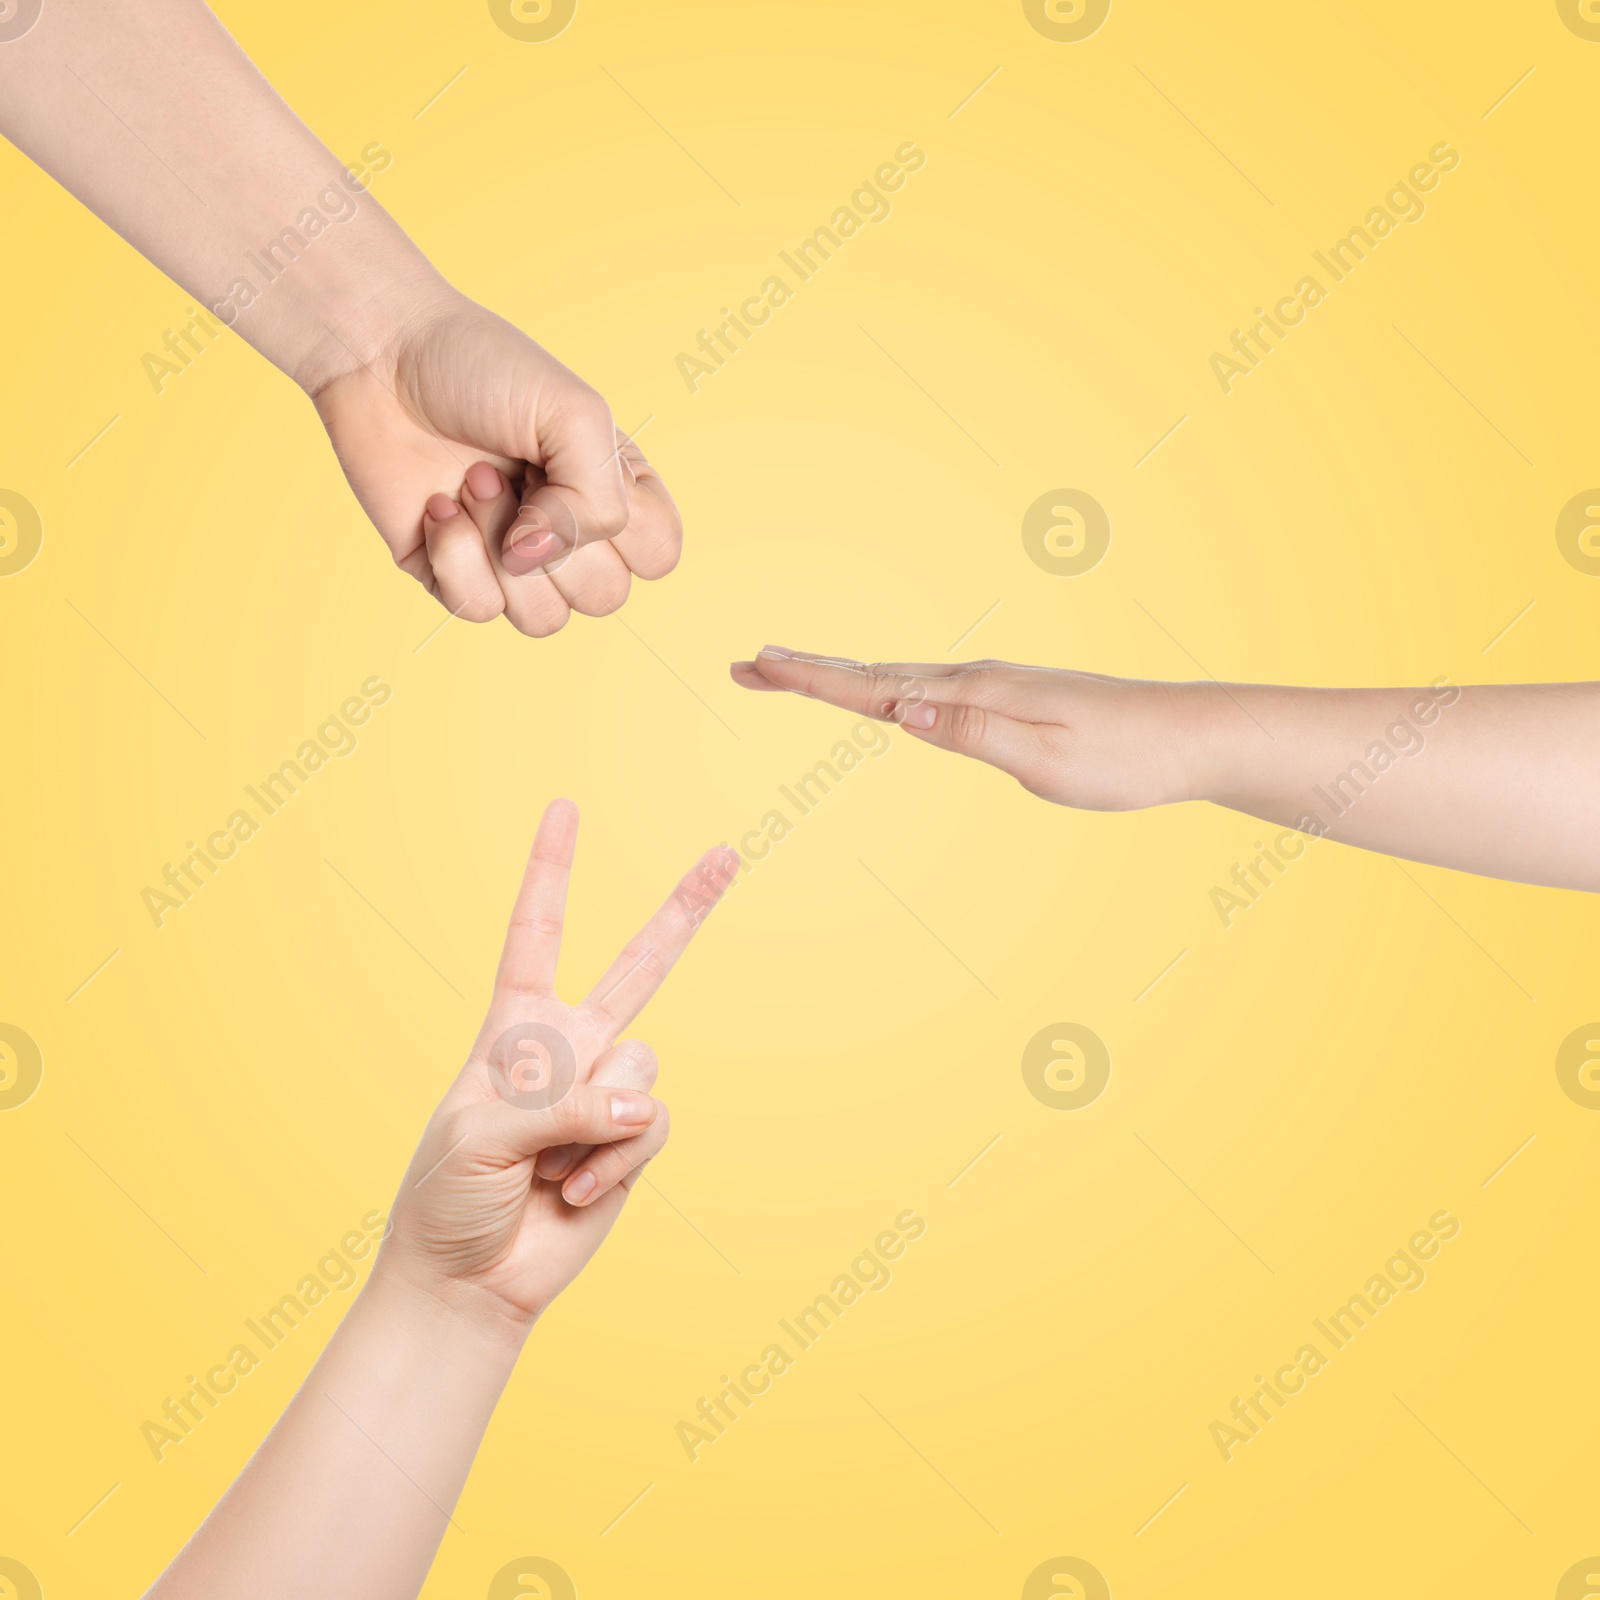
{"points": [[629, 1109], [441, 507], [776, 650], [483, 480], [921, 715], [580, 1188], [532, 538]]}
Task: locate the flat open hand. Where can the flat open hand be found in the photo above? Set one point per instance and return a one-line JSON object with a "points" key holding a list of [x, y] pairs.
{"points": [[1101, 744], [529, 1157], [495, 475]]}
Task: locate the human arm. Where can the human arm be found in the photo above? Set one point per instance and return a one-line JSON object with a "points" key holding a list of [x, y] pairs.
{"points": [[152, 116], [351, 1492], [1502, 780]]}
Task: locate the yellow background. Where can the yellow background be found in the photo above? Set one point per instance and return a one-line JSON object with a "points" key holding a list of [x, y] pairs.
{"points": [[1292, 1099]]}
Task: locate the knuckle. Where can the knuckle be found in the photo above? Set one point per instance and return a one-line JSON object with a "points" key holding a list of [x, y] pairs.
{"points": [[608, 517], [541, 623], [640, 1058], [967, 724], [541, 924], [569, 1115], [483, 606]]}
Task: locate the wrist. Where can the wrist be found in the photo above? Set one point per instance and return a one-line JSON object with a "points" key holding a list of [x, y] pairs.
{"points": [[459, 1319], [1222, 741], [322, 307]]}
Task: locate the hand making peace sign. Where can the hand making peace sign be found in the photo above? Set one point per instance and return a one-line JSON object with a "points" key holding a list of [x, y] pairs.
{"points": [[529, 1157]]}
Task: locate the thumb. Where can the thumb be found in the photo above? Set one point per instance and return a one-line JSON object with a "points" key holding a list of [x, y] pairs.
{"points": [[589, 1113], [989, 736], [580, 494]]}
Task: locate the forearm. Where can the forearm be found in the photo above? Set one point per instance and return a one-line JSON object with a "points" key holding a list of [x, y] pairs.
{"points": [[1502, 780], [349, 1495], [207, 173]]}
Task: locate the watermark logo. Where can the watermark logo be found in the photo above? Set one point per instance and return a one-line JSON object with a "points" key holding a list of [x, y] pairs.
{"points": [[21, 1069], [1066, 532], [1578, 1066], [1578, 533], [17, 17], [1581, 1581], [1583, 17], [531, 1578], [532, 22], [1066, 1578], [1067, 21], [534, 1065], [1066, 1066], [21, 531]]}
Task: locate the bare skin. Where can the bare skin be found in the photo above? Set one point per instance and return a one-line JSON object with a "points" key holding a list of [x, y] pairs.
{"points": [[1501, 780], [518, 1178], [208, 174]]}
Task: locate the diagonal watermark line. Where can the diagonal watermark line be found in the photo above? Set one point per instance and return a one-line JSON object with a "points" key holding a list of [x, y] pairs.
{"points": [[672, 136], [1508, 627], [932, 935], [1204, 668], [1157, 1512], [626, 1509], [94, 441], [1203, 1201], [1459, 390], [651, 1184], [393, 1463], [417, 117], [1508, 94], [141, 673], [974, 628], [1508, 1160], [649, 950], [440, 1162], [1161, 974], [92, 1509], [394, 930], [626, 438], [974, 1161], [1446, 913], [1161, 441], [974, 95], [442, 626], [134, 1202], [1206, 136], [926, 391], [621, 622], [93, 975], [928, 1464], [1464, 1467], [112, 109]]}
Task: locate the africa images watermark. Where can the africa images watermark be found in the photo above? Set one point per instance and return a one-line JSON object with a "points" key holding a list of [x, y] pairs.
{"points": [[182, 1413], [868, 740], [869, 1271], [1251, 346], [718, 345], [1403, 1271], [1402, 738], [335, 737], [337, 202]]}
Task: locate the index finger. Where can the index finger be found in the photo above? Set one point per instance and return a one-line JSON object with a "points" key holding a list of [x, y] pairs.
{"points": [[650, 955], [533, 941]]}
